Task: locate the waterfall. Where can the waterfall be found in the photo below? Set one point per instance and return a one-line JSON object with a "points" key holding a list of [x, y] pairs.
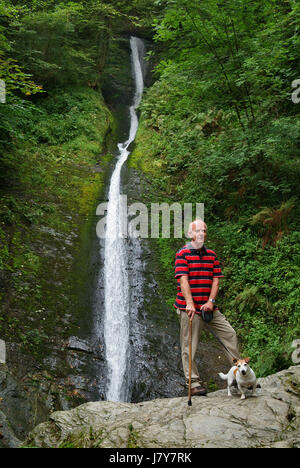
{"points": [[116, 282]]}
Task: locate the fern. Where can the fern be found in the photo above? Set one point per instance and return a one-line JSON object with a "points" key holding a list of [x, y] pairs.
{"points": [[274, 220]]}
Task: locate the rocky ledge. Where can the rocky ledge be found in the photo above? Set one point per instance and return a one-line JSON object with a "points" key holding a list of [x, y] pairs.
{"points": [[269, 419]]}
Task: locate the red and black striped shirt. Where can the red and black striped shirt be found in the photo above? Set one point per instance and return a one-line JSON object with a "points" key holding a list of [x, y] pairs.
{"points": [[201, 266]]}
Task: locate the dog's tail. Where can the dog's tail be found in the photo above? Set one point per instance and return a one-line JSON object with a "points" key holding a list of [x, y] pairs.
{"points": [[223, 376]]}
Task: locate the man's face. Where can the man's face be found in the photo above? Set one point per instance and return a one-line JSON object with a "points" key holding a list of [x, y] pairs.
{"points": [[198, 232]]}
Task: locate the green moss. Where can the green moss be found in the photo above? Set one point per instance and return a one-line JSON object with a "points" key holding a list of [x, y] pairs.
{"points": [[133, 439], [212, 386], [84, 439], [146, 154]]}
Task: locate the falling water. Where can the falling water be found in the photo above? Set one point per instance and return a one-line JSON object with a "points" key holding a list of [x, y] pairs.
{"points": [[116, 282]]}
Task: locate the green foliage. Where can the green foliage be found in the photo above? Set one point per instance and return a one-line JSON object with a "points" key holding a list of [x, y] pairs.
{"points": [[275, 220], [207, 145], [45, 45], [51, 44], [260, 294], [133, 438]]}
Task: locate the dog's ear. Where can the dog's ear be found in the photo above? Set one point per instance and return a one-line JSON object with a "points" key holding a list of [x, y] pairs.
{"points": [[235, 360], [247, 360]]}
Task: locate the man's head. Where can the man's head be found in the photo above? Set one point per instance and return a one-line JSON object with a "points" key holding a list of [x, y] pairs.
{"points": [[197, 232]]}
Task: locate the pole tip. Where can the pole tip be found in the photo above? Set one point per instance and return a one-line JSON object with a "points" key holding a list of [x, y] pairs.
{"points": [[190, 402]]}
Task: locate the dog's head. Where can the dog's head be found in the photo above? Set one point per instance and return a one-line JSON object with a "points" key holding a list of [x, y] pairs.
{"points": [[242, 365]]}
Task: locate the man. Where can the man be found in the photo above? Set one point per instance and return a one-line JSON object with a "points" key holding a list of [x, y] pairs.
{"points": [[198, 272]]}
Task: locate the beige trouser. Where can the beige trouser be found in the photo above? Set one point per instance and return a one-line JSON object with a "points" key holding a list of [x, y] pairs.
{"points": [[219, 325]]}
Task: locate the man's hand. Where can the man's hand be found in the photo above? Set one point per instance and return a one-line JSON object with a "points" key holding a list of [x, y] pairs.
{"points": [[190, 310], [186, 291], [209, 306]]}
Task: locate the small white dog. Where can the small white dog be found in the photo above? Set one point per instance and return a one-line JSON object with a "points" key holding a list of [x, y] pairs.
{"points": [[244, 376]]}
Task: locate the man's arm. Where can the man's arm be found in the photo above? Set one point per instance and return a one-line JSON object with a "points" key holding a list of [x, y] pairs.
{"points": [[214, 288], [213, 294], [186, 291]]}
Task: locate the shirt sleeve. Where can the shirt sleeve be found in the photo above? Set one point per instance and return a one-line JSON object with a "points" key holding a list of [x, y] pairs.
{"points": [[181, 265], [217, 273]]}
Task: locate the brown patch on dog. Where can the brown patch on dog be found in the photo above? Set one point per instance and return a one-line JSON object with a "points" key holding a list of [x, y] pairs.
{"points": [[242, 361]]}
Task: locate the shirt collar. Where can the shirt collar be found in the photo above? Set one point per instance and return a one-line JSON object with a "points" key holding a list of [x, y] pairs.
{"points": [[198, 251]]}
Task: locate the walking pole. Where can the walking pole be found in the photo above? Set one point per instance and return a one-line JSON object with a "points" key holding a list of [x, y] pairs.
{"points": [[190, 362]]}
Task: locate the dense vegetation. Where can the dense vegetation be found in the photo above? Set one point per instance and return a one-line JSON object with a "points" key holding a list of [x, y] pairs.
{"points": [[218, 126]]}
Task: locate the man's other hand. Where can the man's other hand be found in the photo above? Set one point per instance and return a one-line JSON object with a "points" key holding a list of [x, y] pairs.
{"points": [[208, 306]]}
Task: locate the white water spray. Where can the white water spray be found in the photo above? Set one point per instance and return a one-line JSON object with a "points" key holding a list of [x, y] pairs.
{"points": [[116, 284]]}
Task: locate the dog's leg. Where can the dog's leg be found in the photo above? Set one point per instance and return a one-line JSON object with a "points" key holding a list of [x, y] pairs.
{"points": [[229, 384], [242, 392]]}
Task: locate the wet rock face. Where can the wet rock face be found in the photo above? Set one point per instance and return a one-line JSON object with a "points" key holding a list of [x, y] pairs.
{"points": [[269, 419], [21, 408]]}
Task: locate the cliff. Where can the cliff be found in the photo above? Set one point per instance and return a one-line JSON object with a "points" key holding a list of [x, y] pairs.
{"points": [[270, 419]]}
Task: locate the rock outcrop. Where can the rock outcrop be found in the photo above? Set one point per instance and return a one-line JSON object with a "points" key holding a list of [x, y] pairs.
{"points": [[21, 409], [269, 419]]}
